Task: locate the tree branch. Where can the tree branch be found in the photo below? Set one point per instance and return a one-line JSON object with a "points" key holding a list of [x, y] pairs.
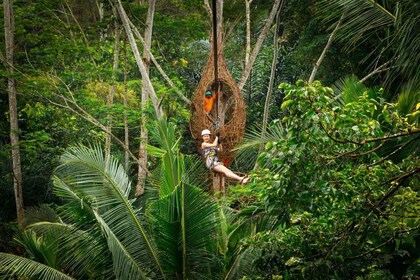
{"points": [[384, 243], [352, 152], [140, 63], [161, 71], [379, 69], [327, 46], [394, 152], [386, 138], [208, 8], [399, 180], [86, 116]]}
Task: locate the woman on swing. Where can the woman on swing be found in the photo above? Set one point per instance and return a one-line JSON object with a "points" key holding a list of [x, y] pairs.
{"points": [[210, 151]]}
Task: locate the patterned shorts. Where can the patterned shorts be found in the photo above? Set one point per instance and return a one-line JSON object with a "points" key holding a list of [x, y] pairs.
{"points": [[211, 162]]}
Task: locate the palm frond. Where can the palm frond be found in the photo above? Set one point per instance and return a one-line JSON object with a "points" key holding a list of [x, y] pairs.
{"points": [[43, 212], [172, 167], [408, 98], [104, 190], [241, 265], [83, 252], [249, 225], [43, 248], [195, 173], [406, 42], [12, 265], [348, 89], [362, 17], [124, 264], [255, 140], [186, 225], [76, 208], [87, 166], [393, 26]]}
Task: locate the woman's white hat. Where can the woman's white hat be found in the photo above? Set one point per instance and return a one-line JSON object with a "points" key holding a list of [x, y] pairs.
{"points": [[205, 132]]}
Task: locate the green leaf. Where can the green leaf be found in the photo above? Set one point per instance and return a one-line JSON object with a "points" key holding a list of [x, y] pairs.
{"points": [[286, 104]]}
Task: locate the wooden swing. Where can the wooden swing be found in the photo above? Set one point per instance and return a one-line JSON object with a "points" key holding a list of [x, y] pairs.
{"points": [[228, 115]]}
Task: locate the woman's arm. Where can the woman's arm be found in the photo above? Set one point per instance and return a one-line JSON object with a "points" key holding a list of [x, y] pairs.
{"points": [[209, 145]]}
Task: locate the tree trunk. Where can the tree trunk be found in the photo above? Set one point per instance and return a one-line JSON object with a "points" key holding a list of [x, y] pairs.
{"points": [[248, 44], [110, 98], [101, 12], [248, 30], [14, 127], [144, 100], [259, 42], [272, 76], [125, 120], [81, 30], [270, 85]]}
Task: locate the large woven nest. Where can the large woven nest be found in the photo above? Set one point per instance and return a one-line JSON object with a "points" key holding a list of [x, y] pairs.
{"points": [[230, 116]]}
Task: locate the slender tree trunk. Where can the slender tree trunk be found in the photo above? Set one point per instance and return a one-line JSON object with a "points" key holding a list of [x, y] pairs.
{"points": [[66, 22], [101, 11], [14, 127], [219, 12], [145, 99], [125, 120], [80, 29], [110, 98], [249, 88], [248, 30], [248, 44], [327, 46], [272, 76], [207, 6], [271, 83], [220, 18], [259, 42]]}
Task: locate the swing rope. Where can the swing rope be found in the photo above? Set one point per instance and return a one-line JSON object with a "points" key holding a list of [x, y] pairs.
{"points": [[216, 67]]}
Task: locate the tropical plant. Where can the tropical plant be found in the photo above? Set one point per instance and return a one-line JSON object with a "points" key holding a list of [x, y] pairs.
{"points": [[352, 210], [100, 233]]}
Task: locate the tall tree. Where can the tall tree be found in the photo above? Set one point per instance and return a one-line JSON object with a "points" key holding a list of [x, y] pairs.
{"points": [[14, 127], [273, 71], [110, 97], [145, 99], [248, 42], [125, 118]]}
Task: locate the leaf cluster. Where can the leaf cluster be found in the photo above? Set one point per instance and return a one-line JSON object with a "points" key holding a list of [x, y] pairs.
{"points": [[332, 177]]}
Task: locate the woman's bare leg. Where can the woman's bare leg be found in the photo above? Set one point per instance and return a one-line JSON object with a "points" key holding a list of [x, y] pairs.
{"points": [[228, 173]]}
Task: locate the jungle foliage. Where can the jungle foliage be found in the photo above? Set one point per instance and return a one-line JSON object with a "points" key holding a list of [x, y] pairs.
{"points": [[343, 176], [335, 189]]}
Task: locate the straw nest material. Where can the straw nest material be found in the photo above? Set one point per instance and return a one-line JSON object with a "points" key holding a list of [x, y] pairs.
{"points": [[230, 116]]}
